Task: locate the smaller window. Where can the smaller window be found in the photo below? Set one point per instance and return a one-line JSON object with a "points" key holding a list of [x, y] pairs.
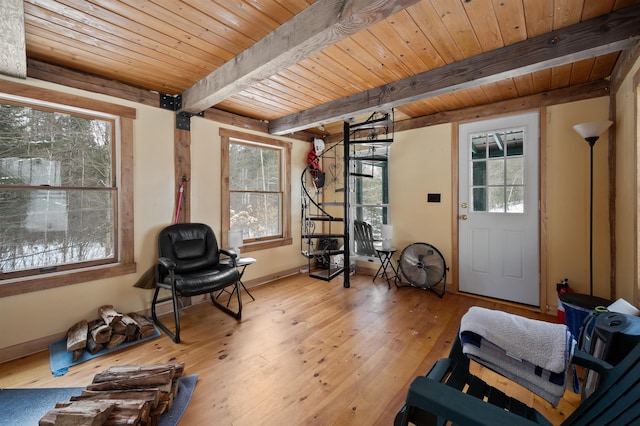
{"points": [[256, 197], [371, 188]]}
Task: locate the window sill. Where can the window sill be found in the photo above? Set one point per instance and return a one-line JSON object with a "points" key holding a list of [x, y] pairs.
{"points": [[19, 286], [266, 245]]}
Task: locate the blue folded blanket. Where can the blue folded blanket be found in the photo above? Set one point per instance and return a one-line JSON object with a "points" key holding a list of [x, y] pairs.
{"points": [[534, 354]]}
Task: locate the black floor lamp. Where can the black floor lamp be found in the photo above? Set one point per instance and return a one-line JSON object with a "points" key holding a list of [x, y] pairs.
{"points": [[591, 133]]}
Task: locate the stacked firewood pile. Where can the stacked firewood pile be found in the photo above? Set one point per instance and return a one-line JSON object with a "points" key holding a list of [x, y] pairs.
{"points": [[122, 395], [108, 331]]}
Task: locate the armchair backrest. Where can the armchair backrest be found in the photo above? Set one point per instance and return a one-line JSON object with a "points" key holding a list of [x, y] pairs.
{"points": [[363, 235], [191, 246]]}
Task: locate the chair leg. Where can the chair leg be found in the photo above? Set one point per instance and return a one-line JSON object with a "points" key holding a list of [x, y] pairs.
{"points": [[236, 290], [176, 314]]}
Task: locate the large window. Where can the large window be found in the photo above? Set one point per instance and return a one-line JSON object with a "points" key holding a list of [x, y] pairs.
{"points": [[65, 208], [57, 190], [256, 189]]}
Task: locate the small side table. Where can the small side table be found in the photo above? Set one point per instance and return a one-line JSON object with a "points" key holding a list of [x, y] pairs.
{"points": [[242, 264], [385, 255]]}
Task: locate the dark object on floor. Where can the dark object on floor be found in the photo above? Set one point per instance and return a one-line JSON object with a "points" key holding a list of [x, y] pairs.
{"points": [[189, 265], [439, 396], [323, 261]]}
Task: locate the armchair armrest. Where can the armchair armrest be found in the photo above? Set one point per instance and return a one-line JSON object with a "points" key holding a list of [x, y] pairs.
{"points": [[458, 407], [583, 359], [232, 255], [167, 263]]}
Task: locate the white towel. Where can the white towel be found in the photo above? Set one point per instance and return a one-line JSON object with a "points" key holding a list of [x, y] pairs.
{"points": [[543, 383], [540, 343]]}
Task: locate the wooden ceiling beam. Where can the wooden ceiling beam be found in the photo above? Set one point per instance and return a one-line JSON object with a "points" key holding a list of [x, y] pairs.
{"points": [[320, 25], [602, 35]]}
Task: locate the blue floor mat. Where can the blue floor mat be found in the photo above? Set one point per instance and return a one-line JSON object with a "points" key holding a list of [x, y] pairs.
{"points": [[60, 360]]}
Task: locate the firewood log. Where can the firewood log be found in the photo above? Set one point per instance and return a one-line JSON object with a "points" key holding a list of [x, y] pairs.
{"points": [[90, 413], [93, 346], [115, 340], [109, 315], [146, 327], [77, 336], [99, 331], [76, 354]]}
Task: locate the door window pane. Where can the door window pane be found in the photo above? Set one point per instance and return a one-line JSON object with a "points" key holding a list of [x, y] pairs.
{"points": [[497, 166]]}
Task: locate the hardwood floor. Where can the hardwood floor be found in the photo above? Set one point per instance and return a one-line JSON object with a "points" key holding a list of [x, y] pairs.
{"points": [[306, 352]]}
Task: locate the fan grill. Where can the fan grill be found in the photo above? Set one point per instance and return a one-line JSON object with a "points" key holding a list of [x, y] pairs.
{"points": [[423, 266]]}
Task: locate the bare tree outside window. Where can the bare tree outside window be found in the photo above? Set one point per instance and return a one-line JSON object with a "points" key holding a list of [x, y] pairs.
{"points": [[57, 189], [255, 189]]}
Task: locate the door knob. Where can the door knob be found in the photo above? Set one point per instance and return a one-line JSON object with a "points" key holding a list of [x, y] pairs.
{"points": [[463, 217]]}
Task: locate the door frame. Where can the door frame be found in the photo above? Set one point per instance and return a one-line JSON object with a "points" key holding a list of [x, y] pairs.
{"points": [[542, 214]]}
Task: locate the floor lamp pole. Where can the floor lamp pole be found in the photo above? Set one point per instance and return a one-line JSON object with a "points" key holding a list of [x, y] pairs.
{"points": [[591, 132], [591, 220]]}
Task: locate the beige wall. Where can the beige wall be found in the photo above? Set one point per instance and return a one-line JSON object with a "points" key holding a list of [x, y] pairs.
{"points": [[568, 199], [40, 315], [627, 140], [420, 164]]}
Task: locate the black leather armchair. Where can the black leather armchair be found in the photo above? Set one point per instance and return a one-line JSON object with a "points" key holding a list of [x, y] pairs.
{"points": [[189, 265]]}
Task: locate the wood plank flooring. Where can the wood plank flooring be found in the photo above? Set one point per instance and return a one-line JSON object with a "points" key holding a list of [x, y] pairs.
{"points": [[307, 352]]}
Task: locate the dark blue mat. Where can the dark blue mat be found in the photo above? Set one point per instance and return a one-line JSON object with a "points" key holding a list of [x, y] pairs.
{"points": [[60, 360], [25, 407]]}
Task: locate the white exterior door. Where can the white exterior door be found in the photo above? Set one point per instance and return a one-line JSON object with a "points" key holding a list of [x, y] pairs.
{"points": [[498, 208]]}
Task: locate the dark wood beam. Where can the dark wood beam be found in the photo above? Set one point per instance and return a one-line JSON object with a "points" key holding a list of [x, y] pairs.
{"points": [[599, 36], [320, 25], [91, 83], [623, 66], [526, 103]]}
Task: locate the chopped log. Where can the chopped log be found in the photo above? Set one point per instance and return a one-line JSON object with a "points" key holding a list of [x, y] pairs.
{"points": [[93, 346], [99, 331], [146, 327], [116, 339], [90, 413], [76, 354], [119, 328], [124, 370], [109, 315], [77, 336], [152, 396], [132, 326], [161, 380], [129, 413], [139, 393]]}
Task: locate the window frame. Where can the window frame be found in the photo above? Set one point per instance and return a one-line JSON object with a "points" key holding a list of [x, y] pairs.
{"points": [[227, 136], [357, 206], [123, 120]]}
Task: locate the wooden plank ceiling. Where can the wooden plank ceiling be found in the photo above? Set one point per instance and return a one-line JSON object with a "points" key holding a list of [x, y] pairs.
{"points": [[171, 46]]}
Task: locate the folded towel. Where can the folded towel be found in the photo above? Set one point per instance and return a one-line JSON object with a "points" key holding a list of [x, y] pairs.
{"points": [[540, 343], [534, 354], [544, 383]]}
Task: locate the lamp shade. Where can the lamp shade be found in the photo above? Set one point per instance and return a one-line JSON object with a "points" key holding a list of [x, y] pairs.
{"points": [[387, 232], [592, 129], [235, 238]]}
